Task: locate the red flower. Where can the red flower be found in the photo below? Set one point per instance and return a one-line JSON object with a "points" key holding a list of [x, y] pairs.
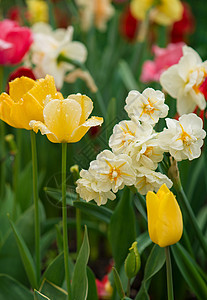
{"points": [[21, 71], [128, 25], [15, 41], [183, 27]]}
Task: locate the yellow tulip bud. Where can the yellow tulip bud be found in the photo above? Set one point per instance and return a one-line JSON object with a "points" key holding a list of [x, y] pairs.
{"points": [[165, 223]]}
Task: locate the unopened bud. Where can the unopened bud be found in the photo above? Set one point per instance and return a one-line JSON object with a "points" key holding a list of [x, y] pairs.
{"points": [[132, 262], [9, 138], [75, 172]]}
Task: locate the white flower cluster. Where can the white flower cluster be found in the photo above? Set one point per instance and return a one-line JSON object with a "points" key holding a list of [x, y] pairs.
{"points": [[137, 149]]}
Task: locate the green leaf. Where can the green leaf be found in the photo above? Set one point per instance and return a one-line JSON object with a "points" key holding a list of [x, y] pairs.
{"points": [[39, 296], [122, 228], [25, 256], [154, 263], [80, 273], [53, 292], [99, 212], [143, 241], [11, 289], [189, 271], [10, 259], [57, 195], [128, 78], [92, 289], [118, 283], [111, 117]]}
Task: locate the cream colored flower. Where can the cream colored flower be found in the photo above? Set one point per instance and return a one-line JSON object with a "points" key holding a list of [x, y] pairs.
{"points": [[47, 47], [88, 190], [96, 12], [183, 138], [182, 81], [126, 134], [149, 180], [112, 171], [146, 107]]}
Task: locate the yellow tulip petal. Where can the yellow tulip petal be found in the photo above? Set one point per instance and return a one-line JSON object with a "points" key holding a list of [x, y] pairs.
{"points": [[44, 90], [152, 202], [37, 125], [5, 108], [162, 191], [168, 12], [139, 8], [62, 117], [79, 132], [86, 105], [170, 223], [20, 86]]}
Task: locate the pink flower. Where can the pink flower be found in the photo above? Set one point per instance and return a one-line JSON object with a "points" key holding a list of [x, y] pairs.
{"points": [[15, 41], [104, 288], [164, 58]]}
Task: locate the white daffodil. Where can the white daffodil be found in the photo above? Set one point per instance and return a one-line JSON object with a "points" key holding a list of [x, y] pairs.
{"points": [[47, 47], [147, 153], [149, 180], [182, 81], [183, 138], [112, 171], [146, 107], [126, 134], [88, 190]]}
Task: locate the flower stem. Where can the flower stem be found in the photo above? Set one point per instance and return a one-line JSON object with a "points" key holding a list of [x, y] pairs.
{"points": [[169, 274], [128, 287], [64, 218], [36, 204]]}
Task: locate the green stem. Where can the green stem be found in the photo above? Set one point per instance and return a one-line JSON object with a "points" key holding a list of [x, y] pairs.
{"points": [[36, 204], [169, 274], [78, 228], [2, 140], [64, 218]]}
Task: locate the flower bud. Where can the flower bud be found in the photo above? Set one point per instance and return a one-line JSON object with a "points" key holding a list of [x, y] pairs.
{"points": [[132, 262], [165, 223]]}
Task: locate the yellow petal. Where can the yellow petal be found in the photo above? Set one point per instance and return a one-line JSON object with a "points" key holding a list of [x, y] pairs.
{"points": [[162, 191], [20, 86], [139, 8], [37, 125], [5, 109], [62, 117], [79, 132], [168, 12], [170, 222], [86, 105], [152, 202], [44, 90]]}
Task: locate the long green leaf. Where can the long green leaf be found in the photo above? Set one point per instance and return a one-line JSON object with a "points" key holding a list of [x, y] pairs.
{"points": [[40, 296], [92, 289], [25, 256], [143, 241], [52, 291], [100, 212], [80, 271], [127, 76], [154, 263], [189, 271], [11, 289], [122, 229], [118, 283]]}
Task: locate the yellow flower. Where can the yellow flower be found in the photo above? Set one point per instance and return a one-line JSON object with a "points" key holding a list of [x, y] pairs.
{"points": [[26, 100], [65, 120], [38, 11], [164, 12], [165, 223]]}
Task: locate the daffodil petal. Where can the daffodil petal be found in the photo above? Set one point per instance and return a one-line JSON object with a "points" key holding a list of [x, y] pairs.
{"points": [[5, 109], [62, 117], [86, 105], [20, 86], [82, 129]]}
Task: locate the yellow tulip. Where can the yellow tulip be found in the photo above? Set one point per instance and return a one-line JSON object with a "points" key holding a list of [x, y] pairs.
{"points": [[165, 223], [37, 11], [165, 12], [65, 120], [26, 100]]}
